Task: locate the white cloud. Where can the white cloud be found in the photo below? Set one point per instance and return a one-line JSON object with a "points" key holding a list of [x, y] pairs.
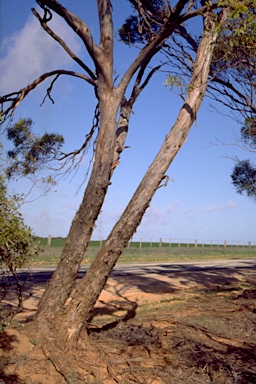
{"points": [[31, 52], [219, 207], [155, 214]]}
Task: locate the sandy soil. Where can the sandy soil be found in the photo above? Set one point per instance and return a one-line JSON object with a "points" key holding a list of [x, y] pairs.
{"points": [[196, 327]]}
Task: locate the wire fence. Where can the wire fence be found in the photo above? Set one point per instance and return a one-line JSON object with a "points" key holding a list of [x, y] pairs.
{"points": [[163, 242], [160, 243]]}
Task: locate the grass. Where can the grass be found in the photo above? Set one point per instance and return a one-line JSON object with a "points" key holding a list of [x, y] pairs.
{"points": [[50, 255]]}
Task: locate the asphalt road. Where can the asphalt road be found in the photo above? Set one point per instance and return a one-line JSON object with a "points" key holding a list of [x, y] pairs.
{"points": [[43, 274]]}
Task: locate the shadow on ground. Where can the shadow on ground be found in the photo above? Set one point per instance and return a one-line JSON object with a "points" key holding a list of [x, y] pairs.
{"points": [[174, 325]]}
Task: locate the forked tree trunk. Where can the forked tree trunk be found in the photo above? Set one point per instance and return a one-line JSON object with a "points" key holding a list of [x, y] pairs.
{"points": [[62, 282], [85, 296]]}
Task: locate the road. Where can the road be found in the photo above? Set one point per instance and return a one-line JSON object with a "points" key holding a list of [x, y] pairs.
{"points": [[43, 274]]}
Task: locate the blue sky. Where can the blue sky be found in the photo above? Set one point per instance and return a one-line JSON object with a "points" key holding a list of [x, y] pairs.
{"points": [[200, 203]]}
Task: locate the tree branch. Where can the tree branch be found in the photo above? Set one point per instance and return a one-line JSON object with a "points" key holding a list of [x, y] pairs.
{"points": [[106, 24], [126, 109], [49, 89], [179, 6], [137, 89], [16, 97], [174, 20], [106, 41], [244, 100], [88, 137], [148, 52], [228, 85], [43, 22], [211, 6], [78, 26]]}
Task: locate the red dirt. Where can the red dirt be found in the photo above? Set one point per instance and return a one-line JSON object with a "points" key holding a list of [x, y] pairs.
{"points": [[191, 328]]}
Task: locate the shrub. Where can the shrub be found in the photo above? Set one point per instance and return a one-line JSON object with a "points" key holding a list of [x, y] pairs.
{"points": [[16, 248]]}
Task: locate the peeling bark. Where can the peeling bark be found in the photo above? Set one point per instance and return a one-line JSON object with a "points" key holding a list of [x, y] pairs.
{"points": [[64, 308], [63, 280], [87, 292]]}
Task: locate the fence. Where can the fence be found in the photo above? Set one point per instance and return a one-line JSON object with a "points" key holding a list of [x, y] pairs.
{"points": [[181, 243], [159, 243]]}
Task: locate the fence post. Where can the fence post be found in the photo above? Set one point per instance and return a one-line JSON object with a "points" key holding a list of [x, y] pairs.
{"points": [[160, 242], [49, 241], [195, 243], [249, 244], [170, 242], [140, 243], [225, 243]]}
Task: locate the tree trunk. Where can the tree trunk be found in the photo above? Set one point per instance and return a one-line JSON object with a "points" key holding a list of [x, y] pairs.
{"points": [[63, 279], [85, 295]]}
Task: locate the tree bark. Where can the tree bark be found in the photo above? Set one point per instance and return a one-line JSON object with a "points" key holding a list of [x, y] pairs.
{"points": [[62, 282], [86, 294]]}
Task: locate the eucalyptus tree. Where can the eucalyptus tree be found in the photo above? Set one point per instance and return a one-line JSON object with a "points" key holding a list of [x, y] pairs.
{"points": [[65, 308]]}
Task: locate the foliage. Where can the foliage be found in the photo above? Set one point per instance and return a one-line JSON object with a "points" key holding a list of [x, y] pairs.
{"points": [[234, 62], [248, 133], [150, 16], [15, 236], [30, 151], [16, 243], [244, 178], [236, 48], [244, 172]]}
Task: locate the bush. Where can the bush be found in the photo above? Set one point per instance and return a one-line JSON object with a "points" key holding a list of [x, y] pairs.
{"points": [[16, 248]]}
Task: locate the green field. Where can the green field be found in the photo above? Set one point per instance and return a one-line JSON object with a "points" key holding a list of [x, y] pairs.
{"points": [[147, 252]]}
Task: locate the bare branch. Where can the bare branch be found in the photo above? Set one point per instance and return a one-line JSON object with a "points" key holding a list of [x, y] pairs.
{"points": [[148, 52], [126, 110], [235, 93], [88, 137], [15, 98], [184, 33], [211, 6], [43, 22], [78, 26], [179, 6], [231, 87], [49, 89]]}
